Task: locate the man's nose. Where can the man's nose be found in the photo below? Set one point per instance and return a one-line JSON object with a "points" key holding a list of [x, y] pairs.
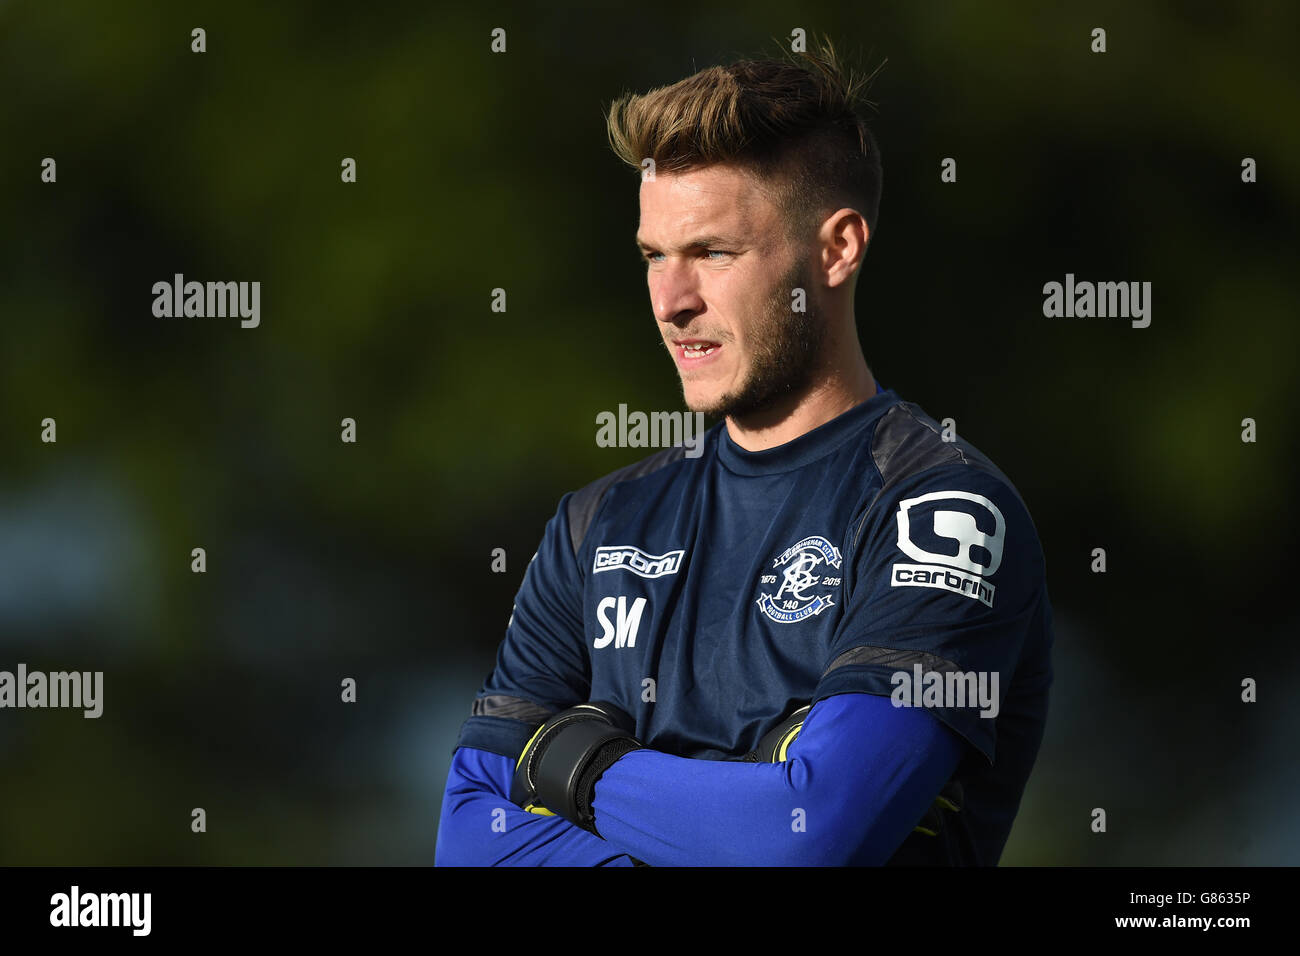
{"points": [[675, 293]]}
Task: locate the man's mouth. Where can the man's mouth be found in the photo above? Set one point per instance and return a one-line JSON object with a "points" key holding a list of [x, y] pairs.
{"points": [[691, 351]]}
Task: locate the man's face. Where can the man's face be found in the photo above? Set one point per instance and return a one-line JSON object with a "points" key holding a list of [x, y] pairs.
{"points": [[720, 271]]}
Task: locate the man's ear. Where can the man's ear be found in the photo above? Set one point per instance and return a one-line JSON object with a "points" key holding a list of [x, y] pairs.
{"points": [[842, 240]]}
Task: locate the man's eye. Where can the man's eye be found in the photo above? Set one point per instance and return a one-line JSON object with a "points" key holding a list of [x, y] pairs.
{"points": [[654, 256]]}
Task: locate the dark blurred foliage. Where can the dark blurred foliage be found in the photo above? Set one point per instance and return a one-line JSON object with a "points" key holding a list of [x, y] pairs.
{"points": [[476, 171]]}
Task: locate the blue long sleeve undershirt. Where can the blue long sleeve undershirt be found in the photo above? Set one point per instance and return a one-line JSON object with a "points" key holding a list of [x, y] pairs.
{"points": [[479, 825], [858, 778]]}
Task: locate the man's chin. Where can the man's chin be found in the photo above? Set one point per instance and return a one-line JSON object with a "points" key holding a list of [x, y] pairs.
{"points": [[723, 406], [752, 409], [718, 403], [699, 399], [711, 403]]}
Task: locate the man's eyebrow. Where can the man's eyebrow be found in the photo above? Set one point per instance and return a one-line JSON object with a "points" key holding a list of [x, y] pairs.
{"points": [[696, 243]]}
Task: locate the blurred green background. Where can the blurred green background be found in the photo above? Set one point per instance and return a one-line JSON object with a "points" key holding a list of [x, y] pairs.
{"points": [[479, 170]]}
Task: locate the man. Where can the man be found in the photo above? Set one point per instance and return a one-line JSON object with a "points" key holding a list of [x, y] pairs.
{"points": [[650, 700]]}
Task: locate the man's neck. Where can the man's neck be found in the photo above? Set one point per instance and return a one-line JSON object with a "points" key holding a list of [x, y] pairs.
{"points": [[830, 396]]}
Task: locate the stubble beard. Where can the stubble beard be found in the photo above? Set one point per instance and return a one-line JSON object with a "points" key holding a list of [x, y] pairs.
{"points": [[787, 347]]}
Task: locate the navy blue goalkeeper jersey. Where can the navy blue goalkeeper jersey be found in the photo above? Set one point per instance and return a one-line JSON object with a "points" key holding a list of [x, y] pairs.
{"points": [[710, 597]]}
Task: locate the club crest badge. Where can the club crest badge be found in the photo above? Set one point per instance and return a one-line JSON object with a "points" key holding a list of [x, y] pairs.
{"points": [[800, 575]]}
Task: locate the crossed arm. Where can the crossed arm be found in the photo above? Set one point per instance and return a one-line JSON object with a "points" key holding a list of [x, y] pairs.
{"points": [[857, 779]]}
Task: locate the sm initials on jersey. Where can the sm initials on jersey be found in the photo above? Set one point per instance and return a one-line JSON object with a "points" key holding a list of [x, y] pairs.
{"points": [[621, 631]]}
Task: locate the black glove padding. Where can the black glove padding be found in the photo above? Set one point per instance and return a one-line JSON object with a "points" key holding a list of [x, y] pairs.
{"points": [[950, 799], [772, 748], [559, 766]]}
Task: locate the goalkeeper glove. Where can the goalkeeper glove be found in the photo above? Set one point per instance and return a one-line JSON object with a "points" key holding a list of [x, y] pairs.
{"points": [[557, 772]]}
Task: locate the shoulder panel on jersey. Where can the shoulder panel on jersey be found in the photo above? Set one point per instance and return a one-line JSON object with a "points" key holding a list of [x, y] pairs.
{"points": [[585, 502], [908, 441]]}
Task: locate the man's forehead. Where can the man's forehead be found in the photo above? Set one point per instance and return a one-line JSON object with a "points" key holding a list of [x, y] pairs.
{"points": [[719, 201]]}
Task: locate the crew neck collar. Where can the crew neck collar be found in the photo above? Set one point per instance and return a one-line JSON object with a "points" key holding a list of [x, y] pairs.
{"points": [[809, 446]]}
